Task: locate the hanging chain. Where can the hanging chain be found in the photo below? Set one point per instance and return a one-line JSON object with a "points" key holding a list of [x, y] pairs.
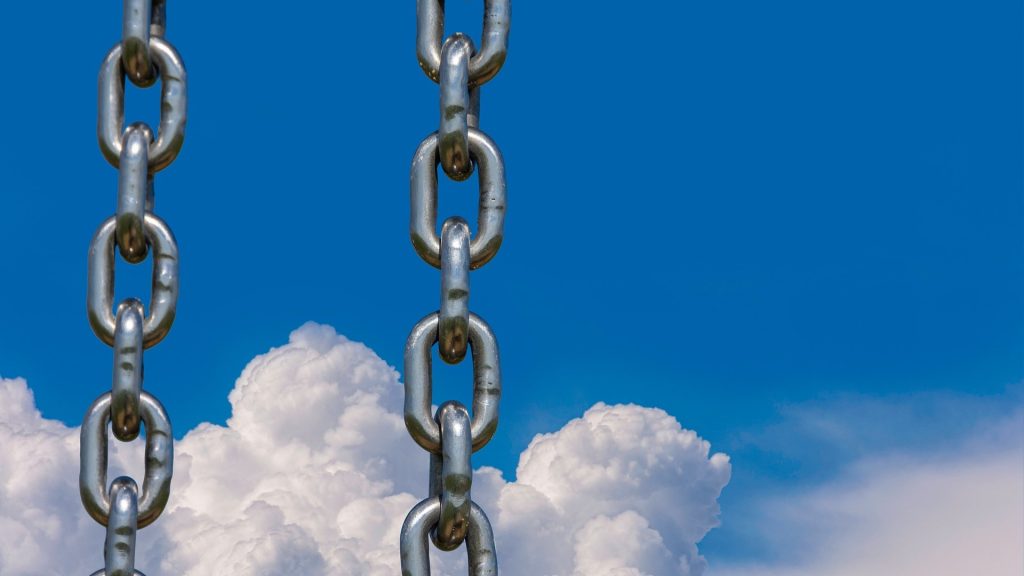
{"points": [[449, 515], [142, 56]]}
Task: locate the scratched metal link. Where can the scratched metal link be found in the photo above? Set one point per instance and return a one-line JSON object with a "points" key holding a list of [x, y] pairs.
{"points": [[134, 193], [138, 64], [453, 133], [483, 559], [142, 19], [486, 63], [119, 549], [451, 476], [92, 478], [490, 213], [449, 517], [173, 105], [163, 302], [419, 383], [125, 393], [142, 56], [453, 315]]}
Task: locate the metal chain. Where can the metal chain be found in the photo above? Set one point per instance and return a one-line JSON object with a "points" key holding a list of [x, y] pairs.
{"points": [[449, 516], [142, 56]]}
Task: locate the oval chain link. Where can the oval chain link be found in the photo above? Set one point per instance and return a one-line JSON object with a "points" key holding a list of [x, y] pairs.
{"points": [[119, 551], [491, 210], [419, 383], [456, 104], [451, 476], [142, 19], [135, 56], [173, 105], [125, 393], [483, 560], [486, 63], [142, 56], [453, 315], [449, 516], [134, 193], [92, 478], [100, 286]]}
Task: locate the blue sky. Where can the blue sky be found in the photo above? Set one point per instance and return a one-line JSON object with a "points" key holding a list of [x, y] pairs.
{"points": [[722, 209]]}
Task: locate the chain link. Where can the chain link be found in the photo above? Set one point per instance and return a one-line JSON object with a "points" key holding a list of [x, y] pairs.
{"points": [[453, 315], [486, 63], [100, 286], [134, 193], [119, 552], [173, 105], [483, 560], [451, 476], [125, 394], [92, 477], [142, 56], [135, 56], [490, 213], [419, 383], [448, 515], [453, 134]]}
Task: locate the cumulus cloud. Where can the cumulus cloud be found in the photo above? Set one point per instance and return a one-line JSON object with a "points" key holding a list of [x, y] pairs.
{"points": [[952, 509], [616, 467], [314, 473]]}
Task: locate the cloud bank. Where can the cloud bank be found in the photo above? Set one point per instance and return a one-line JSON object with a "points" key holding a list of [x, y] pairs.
{"points": [[314, 473], [950, 507]]}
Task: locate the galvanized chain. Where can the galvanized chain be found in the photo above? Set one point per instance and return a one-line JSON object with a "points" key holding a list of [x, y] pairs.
{"points": [[449, 516], [142, 56]]}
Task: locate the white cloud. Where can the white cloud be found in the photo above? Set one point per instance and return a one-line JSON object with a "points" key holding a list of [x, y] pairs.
{"points": [[622, 546], [314, 473], [614, 460], [955, 509]]}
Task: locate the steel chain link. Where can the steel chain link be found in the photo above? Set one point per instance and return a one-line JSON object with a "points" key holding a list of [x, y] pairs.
{"points": [[448, 516], [143, 57]]}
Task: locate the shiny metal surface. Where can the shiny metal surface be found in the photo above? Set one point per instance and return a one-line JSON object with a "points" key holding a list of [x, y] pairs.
{"points": [[127, 386], [92, 478], [483, 560], [423, 200], [451, 476], [100, 287], [138, 64], [173, 105], [452, 434], [419, 383], [119, 549], [486, 63], [143, 56], [453, 133], [453, 322], [134, 188]]}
